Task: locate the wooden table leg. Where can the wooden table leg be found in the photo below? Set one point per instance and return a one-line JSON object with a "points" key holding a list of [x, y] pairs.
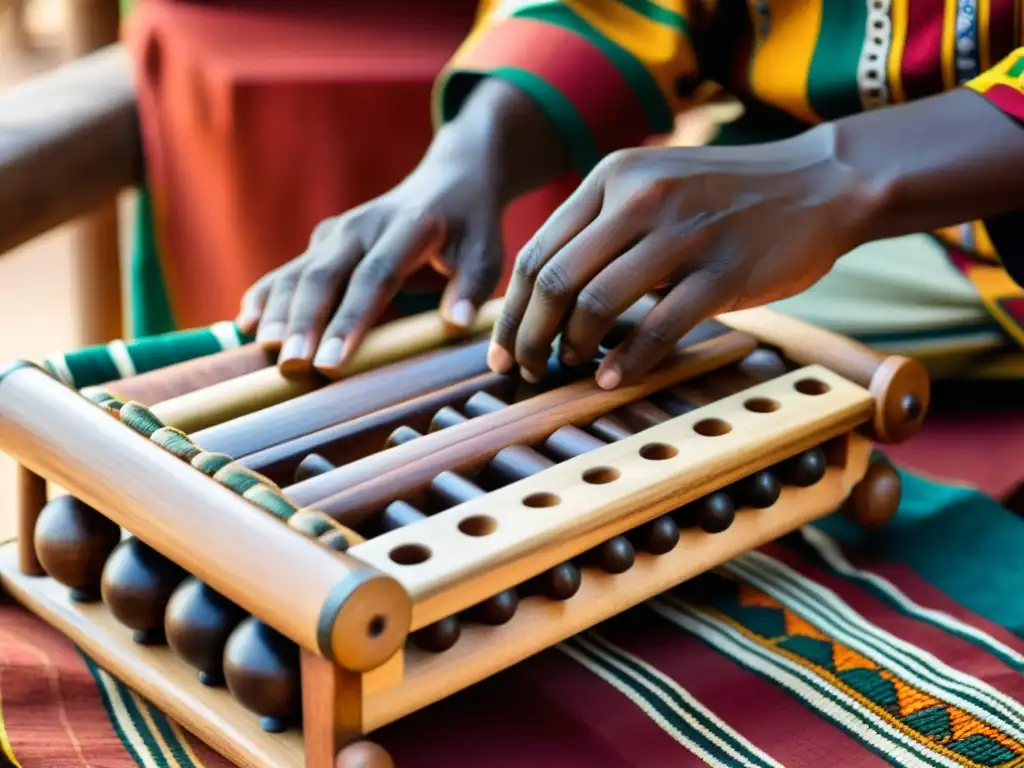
{"points": [[31, 491], [93, 24]]}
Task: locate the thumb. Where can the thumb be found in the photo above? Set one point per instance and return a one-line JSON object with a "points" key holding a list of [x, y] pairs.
{"points": [[477, 270]]}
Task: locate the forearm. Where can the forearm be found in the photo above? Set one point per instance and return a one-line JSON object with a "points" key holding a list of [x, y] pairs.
{"points": [[934, 163], [503, 129]]}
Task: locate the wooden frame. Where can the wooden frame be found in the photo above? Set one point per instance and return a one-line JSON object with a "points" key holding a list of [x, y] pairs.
{"points": [[350, 613]]}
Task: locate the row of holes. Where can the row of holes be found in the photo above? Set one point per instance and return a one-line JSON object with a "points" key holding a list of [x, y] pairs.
{"points": [[484, 525]]}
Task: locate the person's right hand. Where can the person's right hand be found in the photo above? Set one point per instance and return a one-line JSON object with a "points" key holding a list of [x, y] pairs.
{"points": [[321, 304], [446, 214]]}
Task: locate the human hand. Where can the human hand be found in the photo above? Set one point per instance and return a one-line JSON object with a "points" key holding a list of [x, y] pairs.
{"points": [[321, 304], [715, 229], [446, 214]]}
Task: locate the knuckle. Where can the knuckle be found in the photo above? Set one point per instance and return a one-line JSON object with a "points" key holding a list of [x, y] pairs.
{"points": [[657, 336], [617, 162], [505, 330], [596, 303], [651, 195], [530, 260], [322, 230], [553, 282], [422, 217], [376, 272]]}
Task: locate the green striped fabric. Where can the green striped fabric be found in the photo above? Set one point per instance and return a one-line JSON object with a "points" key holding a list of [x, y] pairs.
{"points": [[120, 359]]}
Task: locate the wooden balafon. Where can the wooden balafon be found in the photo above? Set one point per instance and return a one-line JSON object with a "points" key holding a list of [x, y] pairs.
{"points": [[285, 565]]}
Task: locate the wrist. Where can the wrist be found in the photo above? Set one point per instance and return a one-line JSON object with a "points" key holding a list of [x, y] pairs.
{"points": [[500, 132], [933, 163]]}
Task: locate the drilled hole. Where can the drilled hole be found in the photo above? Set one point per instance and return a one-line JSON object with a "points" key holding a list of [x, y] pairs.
{"points": [[538, 500], [712, 428], [657, 452], [377, 626], [811, 387], [478, 525], [761, 405], [601, 475], [410, 554]]}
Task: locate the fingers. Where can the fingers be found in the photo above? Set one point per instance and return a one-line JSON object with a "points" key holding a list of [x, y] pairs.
{"points": [[405, 245], [619, 286], [315, 296], [255, 299], [476, 275], [575, 214], [559, 283], [697, 297]]}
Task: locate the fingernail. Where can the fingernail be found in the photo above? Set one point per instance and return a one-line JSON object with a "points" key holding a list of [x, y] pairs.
{"points": [[296, 348], [461, 314], [528, 376], [569, 356], [329, 354], [499, 360], [609, 378], [270, 333]]}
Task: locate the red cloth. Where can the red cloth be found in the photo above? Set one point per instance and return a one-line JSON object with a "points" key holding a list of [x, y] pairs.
{"points": [[261, 118]]}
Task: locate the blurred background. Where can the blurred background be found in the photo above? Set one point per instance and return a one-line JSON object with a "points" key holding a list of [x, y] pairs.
{"points": [[38, 303]]}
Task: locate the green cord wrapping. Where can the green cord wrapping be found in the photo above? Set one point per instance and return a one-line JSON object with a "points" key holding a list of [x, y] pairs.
{"points": [[250, 485]]}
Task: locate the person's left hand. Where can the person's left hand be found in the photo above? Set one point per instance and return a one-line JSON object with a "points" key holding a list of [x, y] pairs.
{"points": [[715, 229]]}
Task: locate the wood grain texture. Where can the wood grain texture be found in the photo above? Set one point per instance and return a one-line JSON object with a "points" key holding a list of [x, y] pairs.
{"points": [[191, 375], [31, 493], [365, 486], [405, 339], [214, 534], [69, 141], [556, 514], [340, 401], [360, 436], [540, 623]]}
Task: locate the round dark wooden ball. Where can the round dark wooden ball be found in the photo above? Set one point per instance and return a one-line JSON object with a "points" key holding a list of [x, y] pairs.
{"points": [[198, 623], [615, 555], [760, 490], [498, 609], [715, 512], [261, 668], [73, 541], [763, 364], [659, 536], [876, 498], [137, 584], [364, 754], [562, 582], [804, 469], [439, 636]]}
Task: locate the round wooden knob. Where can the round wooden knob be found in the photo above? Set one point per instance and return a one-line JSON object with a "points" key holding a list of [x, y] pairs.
{"points": [[137, 584], [439, 636], [73, 541], [498, 609], [364, 754], [714, 513], [659, 536], [760, 491], [876, 498], [561, 582], [198, 623], [261, 668], [901, 389], [804, 469], [614, 556]]}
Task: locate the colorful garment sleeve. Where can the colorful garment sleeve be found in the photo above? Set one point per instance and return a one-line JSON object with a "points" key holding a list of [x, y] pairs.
{"points": [[608, 73], [1003, 86]]}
